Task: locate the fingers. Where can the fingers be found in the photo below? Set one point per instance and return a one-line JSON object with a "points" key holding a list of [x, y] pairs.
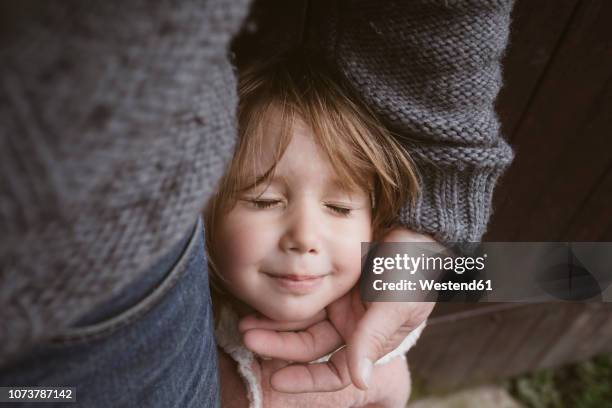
{"points": [[258, 322], [345, 312], [403, 234], [381, 329], [302, 346], [332, 375]]}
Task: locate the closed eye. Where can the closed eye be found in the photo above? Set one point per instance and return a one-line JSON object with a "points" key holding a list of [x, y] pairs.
{"points": [[263, 204], [344, 211]]}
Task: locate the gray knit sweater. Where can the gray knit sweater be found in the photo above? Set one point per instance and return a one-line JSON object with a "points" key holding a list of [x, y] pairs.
{"points": [[117, 118]]}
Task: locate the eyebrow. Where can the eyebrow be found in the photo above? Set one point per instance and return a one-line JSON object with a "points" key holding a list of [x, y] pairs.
{"points": [[334, 183]]}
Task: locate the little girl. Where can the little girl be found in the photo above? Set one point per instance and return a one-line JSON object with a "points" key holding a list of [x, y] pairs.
{"points": [[313, 175]]}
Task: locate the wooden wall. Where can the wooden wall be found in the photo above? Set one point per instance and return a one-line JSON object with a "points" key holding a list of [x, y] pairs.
{"points": [[556, 111]]}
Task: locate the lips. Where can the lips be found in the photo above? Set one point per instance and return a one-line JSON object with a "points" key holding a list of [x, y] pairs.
{"points": [[298, 277], [295, 283]]}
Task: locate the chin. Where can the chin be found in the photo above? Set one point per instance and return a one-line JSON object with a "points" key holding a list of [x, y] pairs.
{"points": [[291, 312]]}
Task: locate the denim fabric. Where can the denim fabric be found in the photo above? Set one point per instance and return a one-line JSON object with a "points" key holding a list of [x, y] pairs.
{"points": [[152, 345]]}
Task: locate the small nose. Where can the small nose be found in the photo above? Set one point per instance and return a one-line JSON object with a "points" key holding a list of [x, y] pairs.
{"points": [[302, 234]]}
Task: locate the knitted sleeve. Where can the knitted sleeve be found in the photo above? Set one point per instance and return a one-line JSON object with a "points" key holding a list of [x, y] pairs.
{"points": [[116, 120], [431, 69]]}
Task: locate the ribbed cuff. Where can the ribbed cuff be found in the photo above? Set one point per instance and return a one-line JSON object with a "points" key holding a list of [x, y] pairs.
{"points": [[454, 205]]}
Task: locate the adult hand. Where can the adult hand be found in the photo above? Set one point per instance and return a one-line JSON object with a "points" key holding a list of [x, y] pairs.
{"points": [[369, 331]]}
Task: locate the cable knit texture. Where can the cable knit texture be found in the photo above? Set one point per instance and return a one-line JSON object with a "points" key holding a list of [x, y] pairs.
{"points": [[431, 69], [118, 117]]}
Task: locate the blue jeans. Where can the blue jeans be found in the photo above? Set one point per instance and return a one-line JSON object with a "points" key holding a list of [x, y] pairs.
{"points": [[152, 345]]}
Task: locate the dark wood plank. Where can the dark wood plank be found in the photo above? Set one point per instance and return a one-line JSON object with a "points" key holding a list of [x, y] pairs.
{"points": [[576, 342], [444, 350], [455, 311], [593, 221], [483, 345], [588, 154], [517, 328], [526, 61], [529, 52], [601, 339], [465, 354], [562, 144]]}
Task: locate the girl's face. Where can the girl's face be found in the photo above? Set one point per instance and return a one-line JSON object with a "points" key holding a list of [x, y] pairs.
{"points": [[290, 248]]}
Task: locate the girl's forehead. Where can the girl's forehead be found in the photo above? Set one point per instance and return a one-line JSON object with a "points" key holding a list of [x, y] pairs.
{"points": [[301, 158], [282, 143], [274, 137]]}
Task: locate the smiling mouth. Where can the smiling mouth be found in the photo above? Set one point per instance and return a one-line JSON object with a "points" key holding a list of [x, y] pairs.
{"points": [[297, 277], [297, 284]]}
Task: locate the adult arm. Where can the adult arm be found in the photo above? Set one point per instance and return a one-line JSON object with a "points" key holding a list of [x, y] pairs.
{"points": [[432, 70], [116, 120]]}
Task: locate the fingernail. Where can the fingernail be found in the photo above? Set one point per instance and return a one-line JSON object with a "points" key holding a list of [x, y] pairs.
{"points": [[365, 370]]}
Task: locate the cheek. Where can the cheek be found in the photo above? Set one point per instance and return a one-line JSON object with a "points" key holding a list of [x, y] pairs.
{"points": [[349, 262], [242, 242], [347, 252]]}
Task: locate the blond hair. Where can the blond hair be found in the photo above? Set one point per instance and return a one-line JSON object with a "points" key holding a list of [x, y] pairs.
{"points": [[362, 152]]}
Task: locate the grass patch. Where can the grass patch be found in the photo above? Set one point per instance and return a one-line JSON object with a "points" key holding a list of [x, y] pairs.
{"points": [[583, 385]]}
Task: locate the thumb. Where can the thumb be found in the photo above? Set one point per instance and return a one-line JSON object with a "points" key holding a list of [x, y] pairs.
{"points": [[381, 329]]}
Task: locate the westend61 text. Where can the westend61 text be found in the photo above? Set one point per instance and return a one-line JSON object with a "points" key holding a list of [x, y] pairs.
{"points": [[430, 284]]}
